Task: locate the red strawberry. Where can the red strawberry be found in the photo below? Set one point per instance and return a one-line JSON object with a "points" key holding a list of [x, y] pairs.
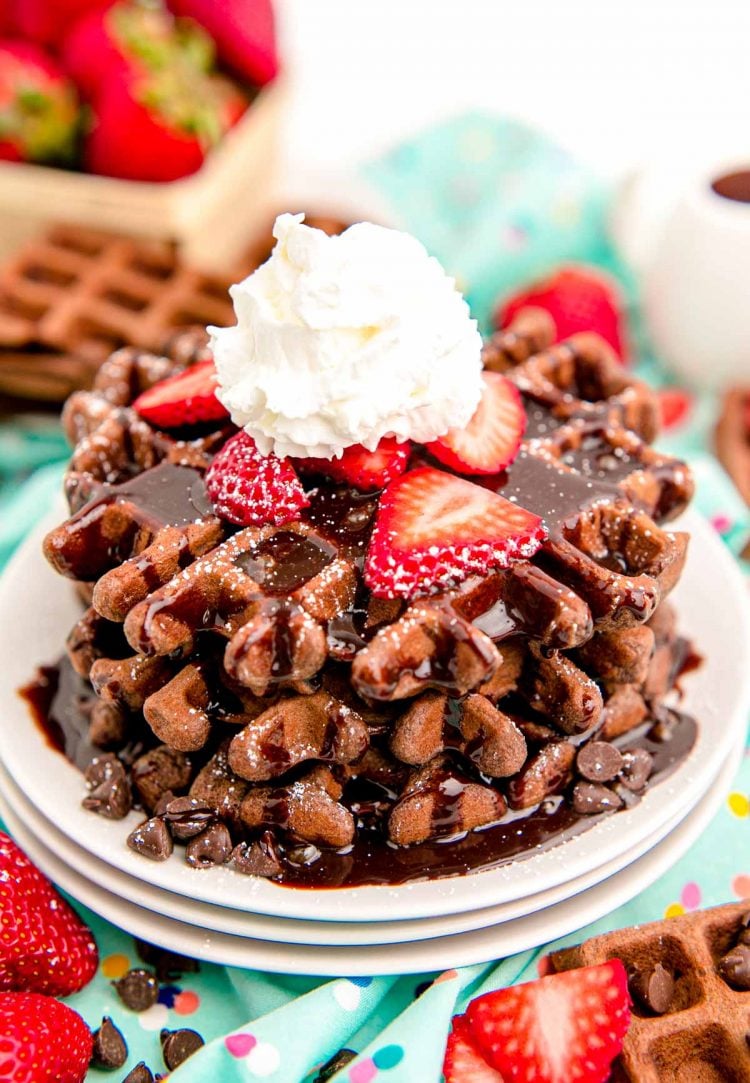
{"points": [[128, 38], [434, 529], [557, 1029], [46, 21], [44, 946], [491, 440], [42, 1040], [251, 489], [157, 127], [675, 405], [38, 106], [244, 33], [463, 1062], [578, 299], [366, 470], [188, 398], [7, 19]]}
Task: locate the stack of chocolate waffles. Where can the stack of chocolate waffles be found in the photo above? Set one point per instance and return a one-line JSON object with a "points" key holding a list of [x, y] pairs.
{"points": [[284, 705], [255, 703]]}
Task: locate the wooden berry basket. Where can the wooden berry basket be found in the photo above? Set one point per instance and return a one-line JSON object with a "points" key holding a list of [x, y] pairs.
{"points": [[211, 215]]}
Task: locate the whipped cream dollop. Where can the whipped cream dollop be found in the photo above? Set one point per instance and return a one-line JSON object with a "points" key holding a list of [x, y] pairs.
{"points": [[344, 340]]}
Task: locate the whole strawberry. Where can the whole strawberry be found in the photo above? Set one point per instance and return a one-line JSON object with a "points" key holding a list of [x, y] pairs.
{"points": [[160, 126], [244, 33], [42, 1040], [128, 39], [39, 111], [46, 21], [251, 489], [578, 299], [44, 945]]}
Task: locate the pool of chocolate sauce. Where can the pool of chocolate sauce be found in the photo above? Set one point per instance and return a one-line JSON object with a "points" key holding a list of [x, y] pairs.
{"points": [[61, 701], [60, 704]]}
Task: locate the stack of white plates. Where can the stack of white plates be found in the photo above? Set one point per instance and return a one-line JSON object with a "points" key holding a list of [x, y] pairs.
{"points": [[224, 917]]}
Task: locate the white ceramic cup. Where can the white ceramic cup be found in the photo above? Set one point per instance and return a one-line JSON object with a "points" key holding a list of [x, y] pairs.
{"points": [[696, 283]]}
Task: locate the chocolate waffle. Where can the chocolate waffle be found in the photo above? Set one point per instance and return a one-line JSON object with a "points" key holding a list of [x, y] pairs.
{"points": [[71, 297], [689, 978], [341, 737]]}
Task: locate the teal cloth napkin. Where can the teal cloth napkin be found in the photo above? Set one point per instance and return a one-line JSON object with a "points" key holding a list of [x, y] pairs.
{"points": [[498, 203]]}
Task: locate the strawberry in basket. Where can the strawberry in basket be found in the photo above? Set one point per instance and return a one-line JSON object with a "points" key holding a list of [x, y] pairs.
{"points": [[38, 106], [130, 38], [244, 33], [160, 126], [46, 21]]}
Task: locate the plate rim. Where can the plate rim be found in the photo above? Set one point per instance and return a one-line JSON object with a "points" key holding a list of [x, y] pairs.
{"points": [[85, 863], [634, 879], [404, 901]]}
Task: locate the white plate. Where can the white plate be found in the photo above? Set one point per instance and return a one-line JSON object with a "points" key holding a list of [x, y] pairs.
{"points": [[288, 930], [39, 608], [462, 949]]}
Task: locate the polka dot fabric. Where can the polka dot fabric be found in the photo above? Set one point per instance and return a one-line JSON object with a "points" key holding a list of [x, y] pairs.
{"points": [[499, 205]]}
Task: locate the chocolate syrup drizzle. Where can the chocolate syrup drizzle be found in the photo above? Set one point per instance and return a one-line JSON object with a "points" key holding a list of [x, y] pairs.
{"points": [[61, 701]]}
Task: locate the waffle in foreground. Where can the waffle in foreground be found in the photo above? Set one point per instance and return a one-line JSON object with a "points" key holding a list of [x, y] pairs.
{"points": [[689, 978]]}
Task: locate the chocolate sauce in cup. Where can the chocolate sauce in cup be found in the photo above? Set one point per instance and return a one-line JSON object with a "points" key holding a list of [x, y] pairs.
{"points": [[734, 186]]}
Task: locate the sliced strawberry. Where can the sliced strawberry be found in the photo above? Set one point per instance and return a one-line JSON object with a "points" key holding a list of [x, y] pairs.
{"points": [[463, 1062], [434, 529], [491, 440], [188, 398], [578, 299], [251, 489], [675, 404], [366, 470], [557, 1029], [42, 1040]]}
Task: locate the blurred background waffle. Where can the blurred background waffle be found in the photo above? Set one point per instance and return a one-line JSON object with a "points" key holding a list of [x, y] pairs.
{"points": [[71, 297]]}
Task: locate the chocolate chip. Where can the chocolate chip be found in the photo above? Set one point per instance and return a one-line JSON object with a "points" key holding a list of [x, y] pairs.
{"points": [[666, 722], [138, 989], [169, 965], [178, 1045], [161, 805], [335, 1064], [187, 817], [110, 1050], [653, 988], [212, 847], [111, 798], [158, 770], [139, 1074], [151, 839], [599, 761], [591, 797], [734, 967], [636, 768], [258, 858], [108, 726], [102, 769], [303, 855], [744, 935]]}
